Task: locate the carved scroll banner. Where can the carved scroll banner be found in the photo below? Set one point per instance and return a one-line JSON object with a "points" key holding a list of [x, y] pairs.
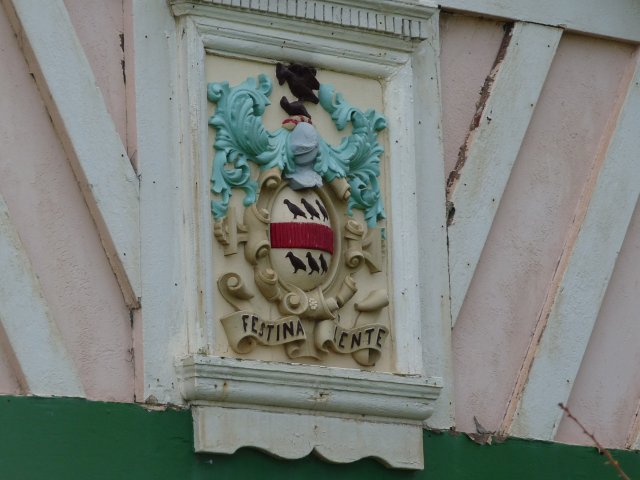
{"points": [[246, 329], [364, 343]]}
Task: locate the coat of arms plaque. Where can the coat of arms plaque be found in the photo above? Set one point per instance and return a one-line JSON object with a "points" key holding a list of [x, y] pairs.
{"points": [[305, 264]]}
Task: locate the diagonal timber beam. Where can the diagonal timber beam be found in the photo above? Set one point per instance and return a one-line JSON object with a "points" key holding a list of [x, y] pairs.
{"points": [[585, 268], [492, 147], [34, 344], [87, 132]]}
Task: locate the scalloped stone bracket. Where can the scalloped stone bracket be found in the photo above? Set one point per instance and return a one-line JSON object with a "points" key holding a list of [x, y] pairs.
{"points": [[291, 435], [341, 414]]}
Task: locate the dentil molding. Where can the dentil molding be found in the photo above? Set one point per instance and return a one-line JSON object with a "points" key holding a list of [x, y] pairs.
{"points": [[405, 18]]}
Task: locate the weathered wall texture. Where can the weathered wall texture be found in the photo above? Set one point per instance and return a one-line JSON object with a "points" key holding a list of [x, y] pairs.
{"points": [[519, 273], [50, 215], [514, 276], [469, 46], [608, 384]]}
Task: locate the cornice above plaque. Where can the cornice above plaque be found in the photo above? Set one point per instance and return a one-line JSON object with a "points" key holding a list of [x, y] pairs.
{"points": [[399, 18]]}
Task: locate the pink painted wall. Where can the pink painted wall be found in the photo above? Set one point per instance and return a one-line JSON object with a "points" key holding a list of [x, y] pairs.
{"points": [[99, 25], [606, 391], [504, 300], [469, 47], [58, 233]]}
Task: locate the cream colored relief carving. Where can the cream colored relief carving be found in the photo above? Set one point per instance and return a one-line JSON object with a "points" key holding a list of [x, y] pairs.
{"points": [[326, 301], [310, 321]]}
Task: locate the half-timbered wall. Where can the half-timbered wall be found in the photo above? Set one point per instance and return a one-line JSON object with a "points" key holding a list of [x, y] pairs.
{"points": [[540, 118]]}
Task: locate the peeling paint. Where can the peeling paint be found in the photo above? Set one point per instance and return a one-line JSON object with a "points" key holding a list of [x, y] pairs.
{"points": [[485, 93]]}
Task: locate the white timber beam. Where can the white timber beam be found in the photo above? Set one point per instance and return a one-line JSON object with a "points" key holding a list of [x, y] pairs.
{"points": [[432, 228], [35, 347], [584, 271], [87, 132], [513, 88], [618, 20], [160, 330]]}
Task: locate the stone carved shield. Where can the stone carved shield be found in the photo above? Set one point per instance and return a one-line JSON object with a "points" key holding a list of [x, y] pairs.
{"points": [[301, 237]]}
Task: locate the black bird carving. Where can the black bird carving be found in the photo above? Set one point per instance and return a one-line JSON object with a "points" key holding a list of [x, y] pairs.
{"points": [[312, 211], [296, 263], [312, 264], [323, 264], [301, 80], [294, 209], [323, 211], [294, 108]]}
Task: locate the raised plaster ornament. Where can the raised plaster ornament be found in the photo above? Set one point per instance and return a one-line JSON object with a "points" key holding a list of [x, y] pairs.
{"points": [[303, 142], [298, 230]]}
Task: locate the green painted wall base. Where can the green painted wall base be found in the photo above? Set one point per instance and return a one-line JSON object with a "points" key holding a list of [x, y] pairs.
{"points": [[77, 439]]}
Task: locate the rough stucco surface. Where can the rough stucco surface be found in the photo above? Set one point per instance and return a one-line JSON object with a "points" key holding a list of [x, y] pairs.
{"points": [[99, 26], [607, 387], [503, 303], [59, 236], [468, 50]]}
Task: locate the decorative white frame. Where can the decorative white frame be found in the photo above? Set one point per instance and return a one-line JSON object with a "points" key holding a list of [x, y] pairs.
{"points": [[324, 409]]}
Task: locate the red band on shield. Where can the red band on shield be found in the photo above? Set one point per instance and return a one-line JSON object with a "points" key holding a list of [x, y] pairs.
{"points": [[313, 236]]}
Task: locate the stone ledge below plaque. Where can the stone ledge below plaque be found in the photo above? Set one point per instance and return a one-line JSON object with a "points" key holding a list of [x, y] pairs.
{"points": [[289, 410]]}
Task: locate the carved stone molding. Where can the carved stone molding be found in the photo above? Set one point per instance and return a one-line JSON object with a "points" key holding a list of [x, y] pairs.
{"points": [[401, 18], [291, 409], [251, 383], [309, 408]]}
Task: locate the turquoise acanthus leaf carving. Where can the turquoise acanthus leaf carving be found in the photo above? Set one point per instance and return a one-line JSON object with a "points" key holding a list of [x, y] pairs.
{"points": [[241, 137], [358, 156]]}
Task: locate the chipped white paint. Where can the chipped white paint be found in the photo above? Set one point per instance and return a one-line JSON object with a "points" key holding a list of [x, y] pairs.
{"points": [[394, 17], [617, 20], [493, 146], [296, 435], [431, 258], [87, 131], [160, 327], [40, 360], [579, 294]]}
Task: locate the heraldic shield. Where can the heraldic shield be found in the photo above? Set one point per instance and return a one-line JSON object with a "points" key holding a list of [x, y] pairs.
{"points": [[304, 252]]}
